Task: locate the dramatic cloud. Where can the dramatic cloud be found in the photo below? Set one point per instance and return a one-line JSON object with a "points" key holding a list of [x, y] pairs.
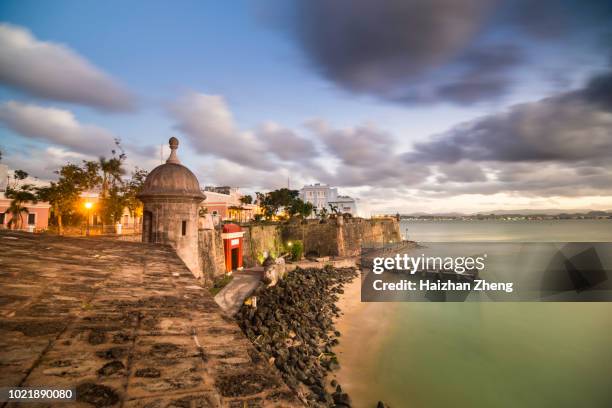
{"points": [[55, 126], [570, 127], [285, 143], [461, 172], [383, 47], [209, 124], [558, 146], [367, 157], [54, 71], [41, 163], [426, 51]]}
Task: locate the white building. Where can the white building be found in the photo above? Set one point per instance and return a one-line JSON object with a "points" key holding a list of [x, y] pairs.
{"points": [[322, 196], [346, 204]]}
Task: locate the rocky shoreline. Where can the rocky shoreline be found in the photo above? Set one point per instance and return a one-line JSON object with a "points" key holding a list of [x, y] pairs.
{"points": [[293, 327]]}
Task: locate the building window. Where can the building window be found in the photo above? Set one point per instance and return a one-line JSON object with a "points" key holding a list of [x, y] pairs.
{"points": [[31, 219], [2, 218], [184, 228]]}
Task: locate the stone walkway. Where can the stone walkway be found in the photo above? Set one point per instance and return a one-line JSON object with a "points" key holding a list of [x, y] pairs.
{"points": [[125, 324], [232, 296], [243, 283]]}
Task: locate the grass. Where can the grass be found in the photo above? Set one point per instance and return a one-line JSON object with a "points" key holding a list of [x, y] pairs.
{"points": [[220, 283]]}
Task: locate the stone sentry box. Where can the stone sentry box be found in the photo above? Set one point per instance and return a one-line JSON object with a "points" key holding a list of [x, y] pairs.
{"points": [[171, 196]]}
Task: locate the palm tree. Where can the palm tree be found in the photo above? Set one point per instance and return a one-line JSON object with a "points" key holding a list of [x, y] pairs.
{"points": [[17, 206], [112, 170], [16, 211]]}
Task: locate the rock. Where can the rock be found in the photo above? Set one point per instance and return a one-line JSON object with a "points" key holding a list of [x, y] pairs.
{"points": [[293, 328]]}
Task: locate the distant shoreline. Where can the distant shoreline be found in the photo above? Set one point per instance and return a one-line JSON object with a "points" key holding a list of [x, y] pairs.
{"points": [[363, 334]]}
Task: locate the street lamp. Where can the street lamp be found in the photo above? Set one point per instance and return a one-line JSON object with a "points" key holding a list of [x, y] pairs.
{"points": [[88, 205]]}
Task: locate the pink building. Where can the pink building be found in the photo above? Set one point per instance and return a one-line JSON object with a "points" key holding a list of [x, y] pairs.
{"points": [[37, 218], [223, 203]]}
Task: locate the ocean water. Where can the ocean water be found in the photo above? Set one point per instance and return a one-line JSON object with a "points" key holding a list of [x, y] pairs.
{"points": [[487, 354]]}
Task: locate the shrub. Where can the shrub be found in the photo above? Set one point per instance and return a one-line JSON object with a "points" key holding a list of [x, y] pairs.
{"points": [[296, 250]]}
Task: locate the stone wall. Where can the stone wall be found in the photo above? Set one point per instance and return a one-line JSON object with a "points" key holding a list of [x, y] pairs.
{"points": [[318, 239], [174, 221], [333, 238], [358, 232], [211, 253], [342, 237], [260, 239]]}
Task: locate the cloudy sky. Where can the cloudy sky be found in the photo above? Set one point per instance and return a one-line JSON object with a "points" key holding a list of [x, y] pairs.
{"points": [[410, 105]]}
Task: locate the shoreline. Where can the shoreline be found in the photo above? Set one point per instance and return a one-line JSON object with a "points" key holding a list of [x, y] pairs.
{"points": [[293, 328], [364, 326]]}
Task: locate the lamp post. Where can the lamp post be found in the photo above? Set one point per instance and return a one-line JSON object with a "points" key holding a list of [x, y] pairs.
{"points": [[88, 205]]}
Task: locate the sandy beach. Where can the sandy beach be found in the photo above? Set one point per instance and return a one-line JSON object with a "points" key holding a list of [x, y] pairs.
{"points": [[364, 327]]}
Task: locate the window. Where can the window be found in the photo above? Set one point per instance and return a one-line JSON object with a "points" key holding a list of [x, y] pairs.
{"points": [[184, 228], [2, 218], [31, 219]]}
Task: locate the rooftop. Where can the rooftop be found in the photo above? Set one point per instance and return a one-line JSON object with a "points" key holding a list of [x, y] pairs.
{"points": [[125, 324], [172, 178]]}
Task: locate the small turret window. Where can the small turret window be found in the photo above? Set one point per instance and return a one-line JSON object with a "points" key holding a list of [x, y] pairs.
{"points": [[184, 228]]}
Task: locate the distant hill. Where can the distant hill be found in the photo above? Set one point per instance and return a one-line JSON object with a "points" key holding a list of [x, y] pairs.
{"points": [[546, 211]]}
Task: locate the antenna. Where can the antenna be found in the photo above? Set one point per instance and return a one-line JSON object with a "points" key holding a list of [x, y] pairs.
{"points": [[161, 153]]}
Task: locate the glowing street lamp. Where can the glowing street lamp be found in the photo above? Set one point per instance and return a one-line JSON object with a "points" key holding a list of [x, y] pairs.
{"points": [[88, 206]]}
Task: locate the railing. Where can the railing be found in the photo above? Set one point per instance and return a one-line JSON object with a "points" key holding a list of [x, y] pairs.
{"points": [[110, 229]]}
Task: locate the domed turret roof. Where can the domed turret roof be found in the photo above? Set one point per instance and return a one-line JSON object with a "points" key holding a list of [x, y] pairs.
{"points": [[171, 179]]}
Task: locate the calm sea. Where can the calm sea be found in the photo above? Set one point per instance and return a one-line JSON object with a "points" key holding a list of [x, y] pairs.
{"points": [[489, 354]]}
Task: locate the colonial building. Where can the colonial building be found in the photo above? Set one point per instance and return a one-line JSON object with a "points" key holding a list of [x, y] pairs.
{"points": [[171, 196], [35, 220], [223, 203], [345, 204], [37, 216], [322, 196]]}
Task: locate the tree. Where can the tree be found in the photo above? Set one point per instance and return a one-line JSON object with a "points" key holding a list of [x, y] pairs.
{"points": [[323, 214], [131, 189], [300, 208], [246, 199], [63, 194], [112, 205], [20, 175], [19, 197], [273, 201], [112, 200], [334, 210]]}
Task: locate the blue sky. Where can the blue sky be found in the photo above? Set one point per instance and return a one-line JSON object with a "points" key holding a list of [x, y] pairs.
{"points": [[317, 92]]}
